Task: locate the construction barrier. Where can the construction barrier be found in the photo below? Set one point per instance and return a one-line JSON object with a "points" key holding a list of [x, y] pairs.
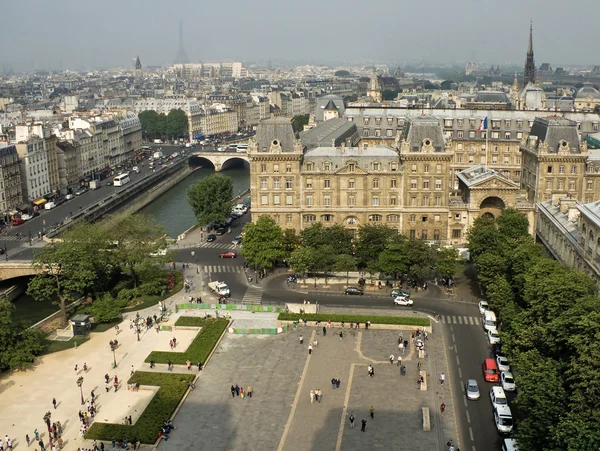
{"points": [[264, 331], [249, 308]]}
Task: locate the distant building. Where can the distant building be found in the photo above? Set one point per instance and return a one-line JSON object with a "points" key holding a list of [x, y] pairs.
{"points": [[322, 102], [334, 132], [35, 177], [587, 98], [11, 190]]}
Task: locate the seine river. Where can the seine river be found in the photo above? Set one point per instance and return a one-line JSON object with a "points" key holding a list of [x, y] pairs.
{"points": [[172, 209]]}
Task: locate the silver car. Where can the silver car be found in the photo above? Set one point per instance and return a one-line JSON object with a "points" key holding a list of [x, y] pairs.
{"points": [[472, 389]]}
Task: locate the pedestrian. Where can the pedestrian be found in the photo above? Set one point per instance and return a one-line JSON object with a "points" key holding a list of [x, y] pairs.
{"points": [[351, 420], [59, 427], [309, 349], [363, 426], [116, 385], [242, 392], [324, 331], [237, 390], [151, 363], [169, 366], [337, 383], [442, 378], [372, 412], [171, 344], [36, 434], [76, 368], [132, 371], [54, 402], [319, 395], [106, 378], [357, 325], [27, 439], [442, 407], [312, 396], [333, 382], [301, 339], [188, 363], [399, 360], [401, 347], [129, 420], [107, 386], [41, 443], [419, 365], [341, 335], [328, 323], [59, 442], [249, 391], [392, 359], [199, 365], [156, 327], [404, 346], [174, 342], [232, 391], [9, 443]]}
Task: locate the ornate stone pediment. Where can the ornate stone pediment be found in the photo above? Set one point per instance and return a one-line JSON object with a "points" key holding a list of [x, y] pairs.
{"points": [[496, 182], [346, 170]]}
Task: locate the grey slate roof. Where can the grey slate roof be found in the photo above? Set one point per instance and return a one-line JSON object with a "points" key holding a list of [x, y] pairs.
{"points": [[8, 151], [425, 127], [491, 97], [553, 130], [330, 106], [352, 152], [334, 129], [321, 102], [479, 173], [588, 91], [277, 128]]}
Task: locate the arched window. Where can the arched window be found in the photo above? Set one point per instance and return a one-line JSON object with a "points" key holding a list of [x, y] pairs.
{"points": [[351, 220], [375, 218]]}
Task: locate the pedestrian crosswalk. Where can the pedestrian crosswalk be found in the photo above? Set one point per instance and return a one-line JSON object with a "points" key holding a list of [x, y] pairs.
{"points": [[222, 269], [461, 320], [253, 295], [215, 245]]}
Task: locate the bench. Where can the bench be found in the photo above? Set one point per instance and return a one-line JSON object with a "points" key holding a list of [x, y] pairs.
{"points": [[426, 419], [423, 374]]}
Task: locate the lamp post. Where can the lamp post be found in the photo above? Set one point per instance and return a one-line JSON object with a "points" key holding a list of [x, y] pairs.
{"points": [[80, 385], [113, 348]]}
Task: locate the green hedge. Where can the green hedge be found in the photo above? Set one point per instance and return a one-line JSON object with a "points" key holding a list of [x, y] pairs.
{"points": [[191, 321], [397, 320], [199, 349], [161, 406]]}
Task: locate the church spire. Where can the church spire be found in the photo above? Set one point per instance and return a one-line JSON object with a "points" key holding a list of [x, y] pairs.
{"points": [[529, 75]]}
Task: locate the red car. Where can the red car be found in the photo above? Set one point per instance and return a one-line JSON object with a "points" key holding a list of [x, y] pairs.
{"points": [[228, 255], [490, 370], [18, 221]]}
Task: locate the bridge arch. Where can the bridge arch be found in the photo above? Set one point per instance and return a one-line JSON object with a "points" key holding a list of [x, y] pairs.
{"points": [[235, 161], [222, 160], [196, 160]]}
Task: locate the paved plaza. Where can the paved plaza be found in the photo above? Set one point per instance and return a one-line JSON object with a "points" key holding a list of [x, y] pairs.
{"points": [[280, 415]]}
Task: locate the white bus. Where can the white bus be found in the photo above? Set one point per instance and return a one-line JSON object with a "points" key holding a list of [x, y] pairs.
{"points": [[242, 148], [121, 180]]}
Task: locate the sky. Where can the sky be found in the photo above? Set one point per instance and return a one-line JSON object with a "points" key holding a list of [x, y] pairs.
{"points": [[39, 34]]}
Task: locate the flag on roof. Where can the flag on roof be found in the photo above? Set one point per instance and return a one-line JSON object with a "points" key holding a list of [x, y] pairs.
{"points": [[483, 125]]}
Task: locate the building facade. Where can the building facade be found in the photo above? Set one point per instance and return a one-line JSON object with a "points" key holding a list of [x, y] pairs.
{"points": [[35, 177], [11, 190]]}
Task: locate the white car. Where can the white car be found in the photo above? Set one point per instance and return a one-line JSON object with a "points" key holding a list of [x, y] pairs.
{"points": [[493, 336], [221, 149], [508, 381], [498, 397], [483, 306], [401, 300], [502, 363], [26, 217]]}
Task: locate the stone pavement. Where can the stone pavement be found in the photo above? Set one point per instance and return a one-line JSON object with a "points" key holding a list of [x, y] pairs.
{"points": [[280, 415]]}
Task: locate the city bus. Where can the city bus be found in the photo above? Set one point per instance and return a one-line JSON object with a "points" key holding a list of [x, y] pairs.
{"points": [[121, 180]]}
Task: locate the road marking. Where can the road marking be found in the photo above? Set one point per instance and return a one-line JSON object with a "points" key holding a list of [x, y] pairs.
{"points": [[466, 319], [453, 339], [472, 321], [468, 417], [454, 320], [286, 430], [457, 361], [448, 320], [459, 372], [471, 434], [338, 445], [460, 321], [465, 401]]}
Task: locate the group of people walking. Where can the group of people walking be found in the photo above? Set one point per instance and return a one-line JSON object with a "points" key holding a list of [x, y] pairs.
{"points": [[239, 391]]}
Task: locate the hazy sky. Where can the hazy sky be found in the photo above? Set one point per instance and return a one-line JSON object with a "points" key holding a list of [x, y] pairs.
{"points": [[104, 33]]}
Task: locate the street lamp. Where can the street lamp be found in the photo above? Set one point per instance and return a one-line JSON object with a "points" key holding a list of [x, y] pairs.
{"points": [[113, 347], [80, 385]]}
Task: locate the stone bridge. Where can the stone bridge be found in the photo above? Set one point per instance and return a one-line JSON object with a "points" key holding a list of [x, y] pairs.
{"points": [[221, 160], [16, 268]]}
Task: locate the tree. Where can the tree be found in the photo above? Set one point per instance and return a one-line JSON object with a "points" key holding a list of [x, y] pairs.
{"points": [[489, 266], [290, 242], [177, 124], [66, 270], [18, 345], [210, 198], [105, 309], [483, 236], [302, 260], [263, 243], [298, 122], [314, 235], [318, 235], [325, 259], [512, 224], [446, 85], [393, 260], [150, 124], [372, 240], [421, 259], [447, 262], [344, 263], [140, 241]]}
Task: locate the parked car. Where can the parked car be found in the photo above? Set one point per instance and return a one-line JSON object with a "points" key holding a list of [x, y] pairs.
{"points": [[493, 336], [228, 255], [498, 397], [502, 363], [17, 221], [221, 231], [354, 291], [503, 419], [210, 238], [472, 389], [69, 197], [237, 240], [26, 217], [483, 306], [490, 370], [80, 191], [508, 381], [405, 301]]}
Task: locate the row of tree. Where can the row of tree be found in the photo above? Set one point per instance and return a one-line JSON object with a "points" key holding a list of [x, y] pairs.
{"points": [[170, 126], [550, 328], [320, 249]]}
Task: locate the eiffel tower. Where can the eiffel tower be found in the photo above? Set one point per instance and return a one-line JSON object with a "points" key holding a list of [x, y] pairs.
{"points": [[181, 57]]}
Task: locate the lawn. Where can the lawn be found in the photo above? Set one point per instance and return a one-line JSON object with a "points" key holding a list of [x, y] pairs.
{"points": [[200, 348], [172, 388], [51, 346]]}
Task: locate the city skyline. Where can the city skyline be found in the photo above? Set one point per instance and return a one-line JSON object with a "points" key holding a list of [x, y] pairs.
{"points": [[270, 31]]}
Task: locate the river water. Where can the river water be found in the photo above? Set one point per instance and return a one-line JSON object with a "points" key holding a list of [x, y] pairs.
{"points": [[172, 209]]}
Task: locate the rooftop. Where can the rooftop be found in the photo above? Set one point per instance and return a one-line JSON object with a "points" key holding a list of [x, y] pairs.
{"points": [[354, 152]]}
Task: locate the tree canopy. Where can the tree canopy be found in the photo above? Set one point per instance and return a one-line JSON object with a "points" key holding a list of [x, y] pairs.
{"points": [[172, 125], [263, 243], [18, 345], [210, 199]]}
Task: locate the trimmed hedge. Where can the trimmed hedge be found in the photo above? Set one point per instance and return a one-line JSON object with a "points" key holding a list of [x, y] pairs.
{"points": [[191, 321], [396, 320], [172, 388], [199, 349]]}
